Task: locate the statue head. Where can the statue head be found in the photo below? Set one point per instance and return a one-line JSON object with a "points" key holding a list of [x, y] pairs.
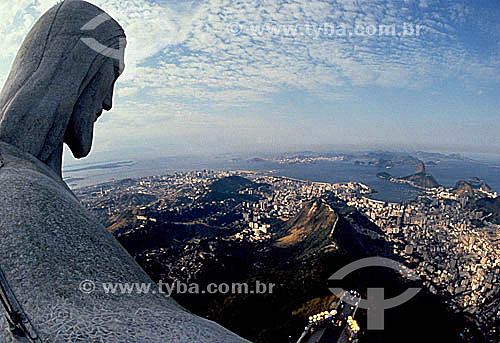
{"points": [[59, 84]]}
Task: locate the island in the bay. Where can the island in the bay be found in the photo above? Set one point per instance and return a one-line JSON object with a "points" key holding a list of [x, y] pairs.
{"points": [[420, 179]]}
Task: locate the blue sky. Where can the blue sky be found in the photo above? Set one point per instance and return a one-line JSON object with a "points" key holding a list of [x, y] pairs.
{"points": [[229, 76]]}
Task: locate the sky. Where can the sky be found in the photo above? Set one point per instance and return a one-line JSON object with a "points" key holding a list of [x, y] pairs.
{"points": [[221, 76]]}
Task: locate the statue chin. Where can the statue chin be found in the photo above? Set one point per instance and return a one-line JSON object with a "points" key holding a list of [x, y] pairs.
{"points": [[79, 134], [80, 152], [79, 149]]}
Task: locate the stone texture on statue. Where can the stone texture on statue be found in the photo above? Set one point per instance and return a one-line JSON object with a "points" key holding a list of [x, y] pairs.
{"points": [[49, 242]]}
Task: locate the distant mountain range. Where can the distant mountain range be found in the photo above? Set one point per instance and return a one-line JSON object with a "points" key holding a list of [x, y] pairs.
{"points": [[392, 156], [384, 159]]}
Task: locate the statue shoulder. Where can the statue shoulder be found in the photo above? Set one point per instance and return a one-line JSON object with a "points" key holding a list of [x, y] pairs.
{"points": [[24, 169], [20, 162]]}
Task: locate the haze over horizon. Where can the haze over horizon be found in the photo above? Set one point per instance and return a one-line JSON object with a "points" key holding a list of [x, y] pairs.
{"points": [[226, 76]]}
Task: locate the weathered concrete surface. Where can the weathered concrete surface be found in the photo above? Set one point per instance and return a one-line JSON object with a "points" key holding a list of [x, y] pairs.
{"points": [[50, 244]]}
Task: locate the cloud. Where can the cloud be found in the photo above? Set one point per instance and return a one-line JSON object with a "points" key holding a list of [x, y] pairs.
{"points": [[14, 24], [188, 47], [127, 91]]}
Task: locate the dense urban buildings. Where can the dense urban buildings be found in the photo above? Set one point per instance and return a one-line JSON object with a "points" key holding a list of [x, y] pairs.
{"points": [[452, 246]]}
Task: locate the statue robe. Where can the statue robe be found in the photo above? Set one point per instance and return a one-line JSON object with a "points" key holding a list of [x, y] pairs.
{"points": [[50, 243]]}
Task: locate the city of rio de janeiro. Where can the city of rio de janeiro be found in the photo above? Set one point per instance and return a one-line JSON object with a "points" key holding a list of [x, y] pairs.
{"points": [[250, 171]]}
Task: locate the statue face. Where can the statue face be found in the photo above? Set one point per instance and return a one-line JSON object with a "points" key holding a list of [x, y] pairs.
{"points": [[98, 96]]}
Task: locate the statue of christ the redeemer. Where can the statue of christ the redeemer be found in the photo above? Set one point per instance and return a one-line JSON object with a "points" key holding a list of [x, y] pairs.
{"points": [[54, 256]]}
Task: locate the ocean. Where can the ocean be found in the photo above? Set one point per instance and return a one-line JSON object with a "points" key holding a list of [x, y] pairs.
{"points": [[446, 173]]}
